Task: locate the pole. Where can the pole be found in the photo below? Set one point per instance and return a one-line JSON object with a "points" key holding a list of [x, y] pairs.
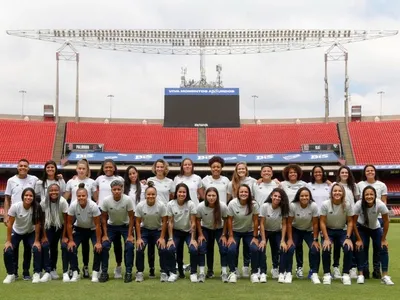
{"points": [[57, 85], [110, 97], [254, 108], [381, 93], [77, 89], [23, 92]]}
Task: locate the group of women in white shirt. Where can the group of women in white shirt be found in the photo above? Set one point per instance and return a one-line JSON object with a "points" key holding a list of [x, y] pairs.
{"points": [[165, 214]]}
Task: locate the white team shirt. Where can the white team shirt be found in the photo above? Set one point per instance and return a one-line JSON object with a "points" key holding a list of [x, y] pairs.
{"points": [[117, 210], [273, 217], [182, 214], [250, 181], [319, 192], [16, 185], [206, 215], [221, 184], [164, 187], [151, 216], [132, 193], [336, 217], [373, 214], [43, 191], [263, 190], [292, 188], [241, 222], [193, 182], [62, 207], [23, 218], [103, 184], [73, 185], [380, 187], [84, 216], [303, 216]]}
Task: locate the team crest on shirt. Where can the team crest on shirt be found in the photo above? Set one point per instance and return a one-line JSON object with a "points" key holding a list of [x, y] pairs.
{"points": [[166, 186], [237, 212], [145, 214], [298, 215], [20, 216], [268, 216], [206, 214], [186, 210]]}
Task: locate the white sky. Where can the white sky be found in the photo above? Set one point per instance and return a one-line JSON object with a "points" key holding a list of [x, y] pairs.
{"points": [[289, 85]]}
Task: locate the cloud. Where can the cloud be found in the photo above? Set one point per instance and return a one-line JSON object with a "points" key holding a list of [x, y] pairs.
{"points": [[289, 85]]}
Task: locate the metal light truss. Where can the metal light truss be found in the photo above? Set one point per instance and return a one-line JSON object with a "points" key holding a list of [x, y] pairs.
{"points": [[202, 42]]}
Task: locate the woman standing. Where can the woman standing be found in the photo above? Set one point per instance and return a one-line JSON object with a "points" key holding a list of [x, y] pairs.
{"points": [[192, 180], [85, 228], [368, 227], [182, 228], [50, 176], [336, 223], [263, 189], [151, 229], [25, 220], [55, 209], [211, 227], [242, 223], [302, 226], [164, 185], [273, 219]]}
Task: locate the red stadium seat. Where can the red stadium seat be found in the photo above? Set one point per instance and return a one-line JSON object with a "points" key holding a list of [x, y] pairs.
{"points": [[33, 140], [134, 138], [3, 183], [270, 138], [375, 142]]}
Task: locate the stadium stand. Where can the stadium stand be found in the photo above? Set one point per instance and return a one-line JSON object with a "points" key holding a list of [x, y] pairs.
{"points": [[3, 183], [270, 138], [375, 142], [33, 140], [134, 138]]}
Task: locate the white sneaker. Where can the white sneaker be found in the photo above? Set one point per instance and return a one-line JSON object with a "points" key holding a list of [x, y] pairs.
{"points": [[288, 278], [163, 277], [353, 273], [263, 278], [186, 268], [387, 280], [237, 273], [46, 277], [254, 278], [66, 277], [245, 272], [118, 272], [36, 278], [315, 279], [172, 277], [224, 277], [346, 279], [360, 279], [232, 278], [75, 276], [193, 278], [139, 277], [281, 278], [299, 273], [327, 279], [9, 279], [202, 277], [54, 275], [336, 273], [95, 276], [275, 273]]}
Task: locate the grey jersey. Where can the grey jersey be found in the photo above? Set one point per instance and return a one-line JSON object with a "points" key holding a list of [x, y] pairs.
{"points": [[181, 214], [206, 215], [241, 221], [117, 210], [373, 214], [151, 216], [272, 217], [336, 216], [303, 217]]}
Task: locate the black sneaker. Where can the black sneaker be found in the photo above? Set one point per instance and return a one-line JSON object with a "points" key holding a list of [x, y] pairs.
{"points": [[366, 273], [103, 277], [210, 274], [376, 274], [16, 276], [152, 274], [128, 277], [26, 276], [70, 273], [85, 272], [181, 274]]}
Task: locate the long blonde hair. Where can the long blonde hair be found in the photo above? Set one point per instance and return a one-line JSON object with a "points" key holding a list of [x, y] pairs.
{"points": [[236, 179], [343, 195]]}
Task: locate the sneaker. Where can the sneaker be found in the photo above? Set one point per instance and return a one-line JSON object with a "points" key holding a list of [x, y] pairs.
{"points": [[128, 277], [210, 274], [327, 279], [376, 274], [36, 278], [346, 279], [387, 280], [309, 274], [181, 274], [27, 277], [299, 273], [75, 276], [237, 273], [245, 272], [118, 272], [254, 278], [288, 278], [360, 279], [281, 278], [275, 273], [193, 278], [46, 277], [172, 277], [66, 277], [54, 275], [152, 274], [9, 279], [366, 273], [163, 277], [16, 276], [103, 277], [232, 278], [70, 273], [336, 273], [95, 276], [186, 268], [263, 278], [315, 279], [224, 277], [202, 277], [85, 272], [353, 273], [139, 277]]}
